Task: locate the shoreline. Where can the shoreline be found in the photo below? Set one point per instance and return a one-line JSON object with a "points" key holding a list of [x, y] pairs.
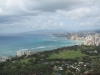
{"points": [[46, 58], [15, 56], [76, 42]]}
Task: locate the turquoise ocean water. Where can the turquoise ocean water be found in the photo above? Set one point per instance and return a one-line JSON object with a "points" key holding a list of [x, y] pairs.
{"points": [[9, 44]]}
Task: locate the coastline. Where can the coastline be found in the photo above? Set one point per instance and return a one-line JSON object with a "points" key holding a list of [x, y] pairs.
{"points": [[77, 43], [44, 42]]}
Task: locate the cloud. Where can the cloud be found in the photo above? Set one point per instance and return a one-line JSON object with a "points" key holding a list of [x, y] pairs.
{"points": [[80, 13], [49, 14], [17, 7]]}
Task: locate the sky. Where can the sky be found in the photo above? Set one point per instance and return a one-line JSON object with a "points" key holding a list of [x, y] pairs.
{"points": [[29, 15]]}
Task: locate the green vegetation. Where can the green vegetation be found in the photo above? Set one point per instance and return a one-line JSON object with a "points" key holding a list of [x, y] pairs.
{"points": [[74, 60], [67, 54], [24, 60]]}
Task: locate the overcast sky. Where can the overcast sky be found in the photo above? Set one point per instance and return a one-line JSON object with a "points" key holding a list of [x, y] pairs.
{"points": [[28, 15]]}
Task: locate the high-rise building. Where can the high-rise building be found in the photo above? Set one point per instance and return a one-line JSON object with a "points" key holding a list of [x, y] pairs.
{"points": [[19, 53], [24, 52]]}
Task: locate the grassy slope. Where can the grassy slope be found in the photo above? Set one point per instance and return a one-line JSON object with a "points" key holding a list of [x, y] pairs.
{"points": [[67, 54]]}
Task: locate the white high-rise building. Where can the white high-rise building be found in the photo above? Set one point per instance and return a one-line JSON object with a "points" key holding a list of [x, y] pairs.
{"points": [[19, 53], [23, 52], [92, 40], [27, 53]]}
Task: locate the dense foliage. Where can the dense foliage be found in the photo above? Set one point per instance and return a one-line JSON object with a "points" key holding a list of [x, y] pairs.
{"points": [[40, 63]]}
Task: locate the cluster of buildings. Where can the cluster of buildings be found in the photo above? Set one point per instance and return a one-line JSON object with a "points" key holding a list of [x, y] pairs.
{"points": [[23, 52], [74, 37], [92, 40], [88, 39], [19, 54]]}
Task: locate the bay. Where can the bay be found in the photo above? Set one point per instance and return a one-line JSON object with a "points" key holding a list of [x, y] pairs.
{"points": [[10, 44]]}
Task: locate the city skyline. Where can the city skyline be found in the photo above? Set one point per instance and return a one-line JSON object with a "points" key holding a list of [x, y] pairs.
{"points": [[28, 15]]}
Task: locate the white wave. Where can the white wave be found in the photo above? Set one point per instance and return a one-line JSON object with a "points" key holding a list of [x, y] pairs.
{"points": [[12, 51], [39, 47], [23, 49], [42, 47], [51, 46], [33, 48]]}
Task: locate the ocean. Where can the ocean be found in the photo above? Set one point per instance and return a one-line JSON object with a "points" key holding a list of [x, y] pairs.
{"points": [[10, 44]]}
